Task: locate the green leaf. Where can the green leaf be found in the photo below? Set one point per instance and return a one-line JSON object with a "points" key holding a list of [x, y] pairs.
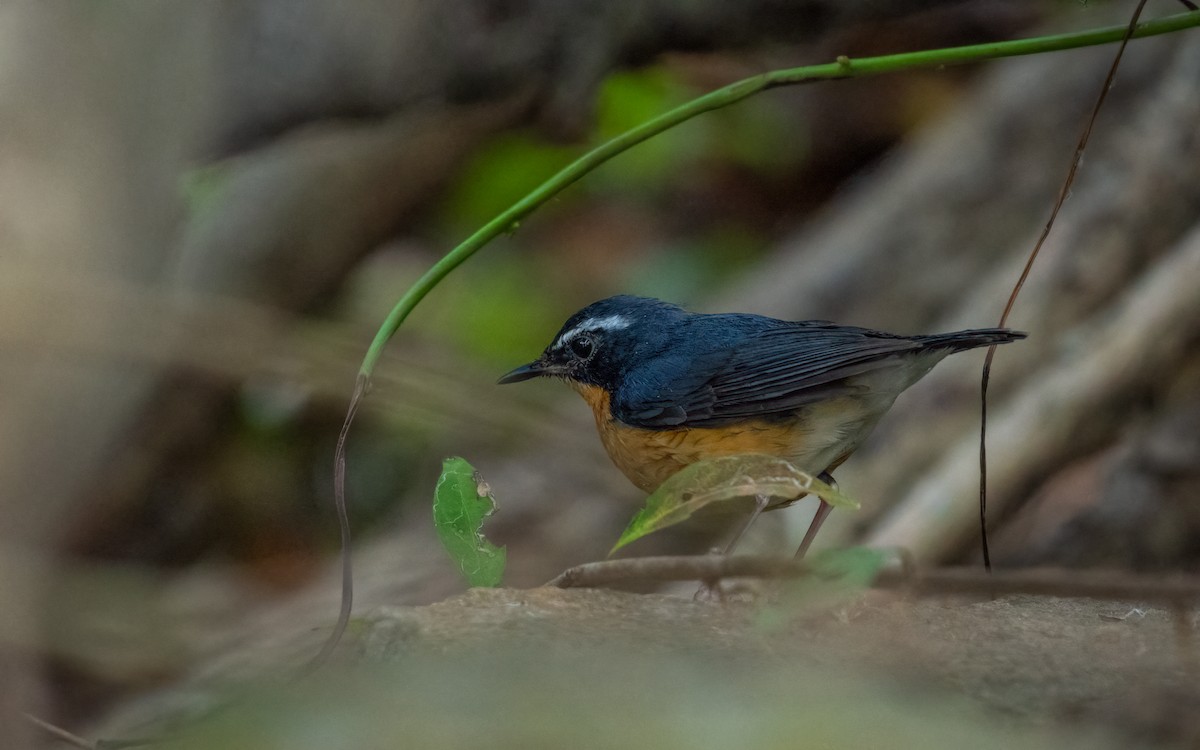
{"points": [[460, 503], [204, 188], [835, 578], [854, 568], [723, 479]]}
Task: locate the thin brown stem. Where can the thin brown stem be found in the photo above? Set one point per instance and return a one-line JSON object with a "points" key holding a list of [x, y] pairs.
{"points": [[1063, 193], [339, 499]]}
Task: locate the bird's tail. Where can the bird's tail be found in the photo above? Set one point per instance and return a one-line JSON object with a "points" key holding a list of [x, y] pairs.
{"points": [[962, 340]]}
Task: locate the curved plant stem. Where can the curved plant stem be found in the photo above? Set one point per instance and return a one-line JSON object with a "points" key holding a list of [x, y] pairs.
{"points": [[1063, 192]]}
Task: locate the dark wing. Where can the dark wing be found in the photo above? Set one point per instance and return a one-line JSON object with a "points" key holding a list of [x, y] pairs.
{"points": [[767, 373]]}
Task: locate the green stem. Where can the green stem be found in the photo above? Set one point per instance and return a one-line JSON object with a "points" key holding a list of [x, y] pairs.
{"points": [[844, 68]]}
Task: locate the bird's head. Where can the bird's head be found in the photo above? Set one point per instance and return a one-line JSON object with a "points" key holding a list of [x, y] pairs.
{"points": [[603, 341]]}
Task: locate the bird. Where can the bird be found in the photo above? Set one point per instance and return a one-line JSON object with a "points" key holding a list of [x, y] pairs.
{"points": [[669, 387]]}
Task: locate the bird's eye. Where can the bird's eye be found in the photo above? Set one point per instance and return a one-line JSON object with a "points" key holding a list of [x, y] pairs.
{"points": [[582, 347]]}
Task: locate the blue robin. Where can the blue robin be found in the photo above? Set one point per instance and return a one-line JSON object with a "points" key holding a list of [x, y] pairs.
{"points": [[670, 387]]}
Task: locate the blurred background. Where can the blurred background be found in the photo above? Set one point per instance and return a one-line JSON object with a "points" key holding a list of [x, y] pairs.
{"points": [[206, 209]]}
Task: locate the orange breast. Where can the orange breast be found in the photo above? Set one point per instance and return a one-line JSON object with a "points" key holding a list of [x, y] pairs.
{"points": [[812, 441]]}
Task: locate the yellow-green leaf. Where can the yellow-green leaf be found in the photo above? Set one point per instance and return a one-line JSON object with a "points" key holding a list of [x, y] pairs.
{"points": [[722, 479]]}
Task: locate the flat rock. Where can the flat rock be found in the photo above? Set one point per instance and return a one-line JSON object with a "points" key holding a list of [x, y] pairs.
{"points": [[594, 668]]}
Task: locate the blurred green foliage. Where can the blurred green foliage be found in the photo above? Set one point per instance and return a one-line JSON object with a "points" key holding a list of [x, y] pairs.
{"points": [[628, 99], [503, 308], [504, 305], [837, 577], [202, 187], [501, 174], [560, 690], [760, 135], [686, 269]]}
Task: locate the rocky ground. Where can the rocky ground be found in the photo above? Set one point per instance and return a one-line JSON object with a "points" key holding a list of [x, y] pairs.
{"points": [[592, 668]]}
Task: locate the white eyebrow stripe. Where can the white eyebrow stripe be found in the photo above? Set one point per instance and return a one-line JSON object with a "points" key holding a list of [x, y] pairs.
{"points": [[610, 323]]}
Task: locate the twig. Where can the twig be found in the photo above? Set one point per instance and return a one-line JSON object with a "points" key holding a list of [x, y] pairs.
{"points": [[678, 568], [70, 738], [1162, 589], [59, 733]]}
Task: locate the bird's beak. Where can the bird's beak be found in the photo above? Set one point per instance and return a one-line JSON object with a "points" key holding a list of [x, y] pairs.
{"points": [[525, 372]]}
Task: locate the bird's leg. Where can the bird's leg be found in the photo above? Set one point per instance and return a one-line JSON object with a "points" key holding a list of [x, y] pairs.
{"points": [[709, 588], [822, 511]]}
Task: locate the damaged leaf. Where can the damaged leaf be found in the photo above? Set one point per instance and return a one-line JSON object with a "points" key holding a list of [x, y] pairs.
{"points": [[723, 479], [461, 502]]}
